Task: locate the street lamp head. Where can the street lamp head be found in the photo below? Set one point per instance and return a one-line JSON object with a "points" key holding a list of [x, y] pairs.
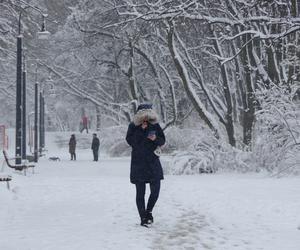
{"points": [[43, 34]]}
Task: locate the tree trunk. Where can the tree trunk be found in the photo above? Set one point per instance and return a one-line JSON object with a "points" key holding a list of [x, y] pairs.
{"points": [[174, 105], [180, 67], [249, 105], [98, 118], [160, 90], [227, 94], [294, 8], [132, 83]]}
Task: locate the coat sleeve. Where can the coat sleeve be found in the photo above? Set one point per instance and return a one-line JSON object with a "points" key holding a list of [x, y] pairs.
{"points": [[160, 137], [134, 135]]}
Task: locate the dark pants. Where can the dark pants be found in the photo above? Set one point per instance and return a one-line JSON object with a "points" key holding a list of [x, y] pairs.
{"points": [[83, 128], [140, 196], [73, 156], [95, 153]]}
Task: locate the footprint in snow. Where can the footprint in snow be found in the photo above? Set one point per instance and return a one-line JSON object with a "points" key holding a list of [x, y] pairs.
{"points": [[185, 234]]}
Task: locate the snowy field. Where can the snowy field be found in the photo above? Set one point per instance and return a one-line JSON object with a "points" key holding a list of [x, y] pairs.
{"points": [[86, 205]]}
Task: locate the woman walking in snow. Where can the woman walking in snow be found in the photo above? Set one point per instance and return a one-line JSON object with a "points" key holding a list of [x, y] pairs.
{"points": [[144, 135], [72, 147]]}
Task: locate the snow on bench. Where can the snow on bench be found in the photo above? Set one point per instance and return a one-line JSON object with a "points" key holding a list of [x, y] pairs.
{"points": [[6, 178]]}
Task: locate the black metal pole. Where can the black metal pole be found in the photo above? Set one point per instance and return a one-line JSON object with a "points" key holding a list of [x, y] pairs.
{"points": [[19, 100], [36, 122], [24, 113], [29, 134], [41, 123]]}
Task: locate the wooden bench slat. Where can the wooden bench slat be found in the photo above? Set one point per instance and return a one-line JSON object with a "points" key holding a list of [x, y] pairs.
{"points": [[5, 179]]}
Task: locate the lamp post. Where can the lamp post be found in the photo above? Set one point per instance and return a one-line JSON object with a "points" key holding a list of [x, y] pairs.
{"points": [[36, 121], [24, 112], [41, 122], [19, 95], [20, 145]]}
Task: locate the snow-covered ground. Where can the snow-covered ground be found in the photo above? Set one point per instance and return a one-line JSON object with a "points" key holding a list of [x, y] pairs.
{"points": [[86, 205]]}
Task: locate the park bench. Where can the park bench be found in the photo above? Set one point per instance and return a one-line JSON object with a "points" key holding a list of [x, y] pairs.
{"points": [[16, 167], [6, 178]]}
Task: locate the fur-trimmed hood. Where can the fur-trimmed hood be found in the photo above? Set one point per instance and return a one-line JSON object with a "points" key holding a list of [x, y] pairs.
{"points": [[145, 114]]}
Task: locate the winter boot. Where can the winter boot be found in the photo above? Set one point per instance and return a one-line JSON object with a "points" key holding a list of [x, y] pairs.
{"points": [[149, 217], [144, 222]]}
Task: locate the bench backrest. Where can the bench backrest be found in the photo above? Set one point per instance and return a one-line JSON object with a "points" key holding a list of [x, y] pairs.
{"points": [[20, 168]]}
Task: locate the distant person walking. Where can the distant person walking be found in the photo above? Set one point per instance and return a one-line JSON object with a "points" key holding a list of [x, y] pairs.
{"points": [[84, 124], [95, 146], [144, 135], [72, 147]]}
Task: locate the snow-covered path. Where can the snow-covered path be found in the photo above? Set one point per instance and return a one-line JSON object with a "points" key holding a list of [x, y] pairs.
{"points": [[86, 205]]}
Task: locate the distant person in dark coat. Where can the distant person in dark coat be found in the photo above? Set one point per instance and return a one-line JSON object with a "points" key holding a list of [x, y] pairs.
{"points": [[72, 147], [95, 146], [144, 135]]}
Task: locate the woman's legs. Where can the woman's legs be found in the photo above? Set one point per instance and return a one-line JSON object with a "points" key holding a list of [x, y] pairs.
{"points": [[146, 215], [155, 188], [73, 156], [140, 198]]}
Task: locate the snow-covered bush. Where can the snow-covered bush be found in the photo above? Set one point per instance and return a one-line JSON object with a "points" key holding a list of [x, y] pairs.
{"points": [[178, 139], [275, 147], [113, 141], [277, 133], [198, 151], [192, 162], [209, 156]]}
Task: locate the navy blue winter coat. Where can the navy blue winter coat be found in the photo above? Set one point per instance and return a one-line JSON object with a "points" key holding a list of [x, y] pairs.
{"points": [[95, 144], [145, 165]]}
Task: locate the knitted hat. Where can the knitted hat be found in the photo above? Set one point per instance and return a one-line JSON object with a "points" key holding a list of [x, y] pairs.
{"points": [[144, 106]]}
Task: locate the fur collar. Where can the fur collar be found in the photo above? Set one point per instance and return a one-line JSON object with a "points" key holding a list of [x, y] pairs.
{"points": [[145, 114]]}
